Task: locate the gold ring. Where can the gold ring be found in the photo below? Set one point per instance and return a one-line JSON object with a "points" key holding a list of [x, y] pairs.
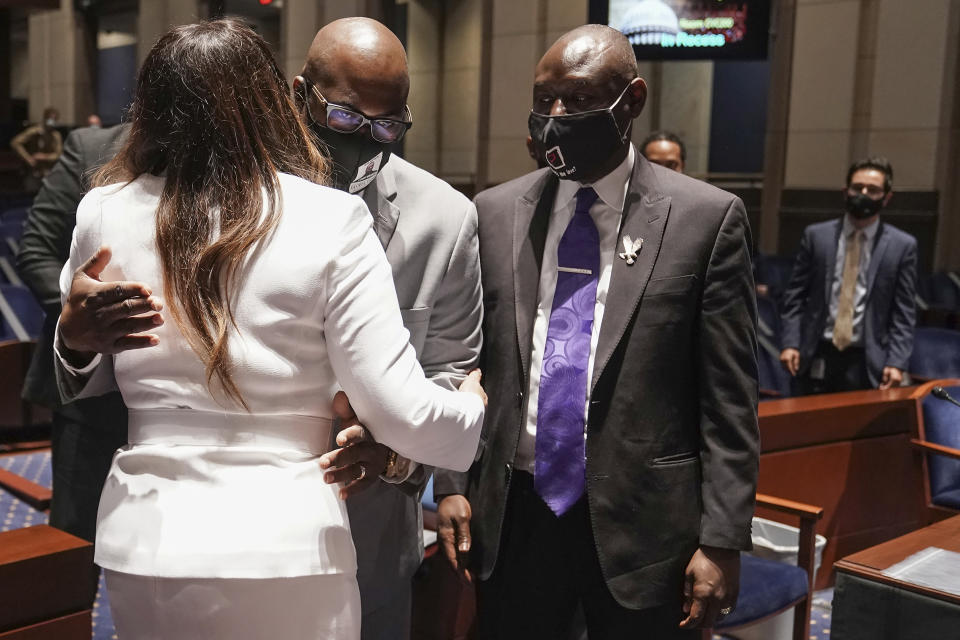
{"points": [[363, 471], [726, 611]]}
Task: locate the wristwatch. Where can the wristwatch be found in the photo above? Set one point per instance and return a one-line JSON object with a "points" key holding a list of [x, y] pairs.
{"points": [[398, 468]]}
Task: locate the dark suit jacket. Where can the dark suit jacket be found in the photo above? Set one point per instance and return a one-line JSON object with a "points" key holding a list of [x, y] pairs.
{"points": [[45, 246], [890, 313], [672, 440]]}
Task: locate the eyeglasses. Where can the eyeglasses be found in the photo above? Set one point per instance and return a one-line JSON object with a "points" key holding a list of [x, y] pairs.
{"points": [[345, 120], [872, 190]]}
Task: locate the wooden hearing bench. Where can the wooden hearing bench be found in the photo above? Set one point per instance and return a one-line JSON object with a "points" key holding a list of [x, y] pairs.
{"points": [[849, 453], [46, 585]]}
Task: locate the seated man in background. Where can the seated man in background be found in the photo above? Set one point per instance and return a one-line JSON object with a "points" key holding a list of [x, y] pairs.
{"points": [[666, 149], [848, 312]]}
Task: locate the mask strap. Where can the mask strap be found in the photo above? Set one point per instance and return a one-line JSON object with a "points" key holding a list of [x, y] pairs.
{"points": [[625, 134]]}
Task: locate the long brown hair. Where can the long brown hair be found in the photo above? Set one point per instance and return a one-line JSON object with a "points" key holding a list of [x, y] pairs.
{"points": [[212, 112]]}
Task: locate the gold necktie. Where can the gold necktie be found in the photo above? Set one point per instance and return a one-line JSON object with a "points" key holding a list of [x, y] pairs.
{"points": [[843, 327]]}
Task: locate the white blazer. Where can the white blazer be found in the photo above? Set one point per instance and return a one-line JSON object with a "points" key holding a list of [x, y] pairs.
{"points": [[207, 490]]}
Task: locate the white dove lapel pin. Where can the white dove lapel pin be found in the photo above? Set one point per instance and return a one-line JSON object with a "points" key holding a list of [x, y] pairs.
{"points": [[630, 249]]}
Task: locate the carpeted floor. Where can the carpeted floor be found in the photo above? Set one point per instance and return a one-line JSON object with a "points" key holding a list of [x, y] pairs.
{"points": [[36, 467], [820, 617], [16, 514]]}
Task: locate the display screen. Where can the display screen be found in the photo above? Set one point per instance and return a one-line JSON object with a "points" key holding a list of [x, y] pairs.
{"points": [[689, 29]]}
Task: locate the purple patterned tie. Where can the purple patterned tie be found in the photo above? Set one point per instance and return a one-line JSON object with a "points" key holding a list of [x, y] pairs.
{"points": [[559, 455]]}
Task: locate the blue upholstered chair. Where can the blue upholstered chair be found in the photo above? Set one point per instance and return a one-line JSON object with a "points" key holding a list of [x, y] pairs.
{"points": [[940, 441], [17, 214], [8, 261], [768, 587], [26, 309], [7, 250], [774, 272], [429, 505], [774, 380], [15, 200], [11, 229], [936, 354], [427, 501], [940, 290]]}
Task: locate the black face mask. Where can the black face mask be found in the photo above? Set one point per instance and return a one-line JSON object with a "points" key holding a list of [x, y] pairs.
{"points": [[357, 158], [862, 206], [575, 145]]}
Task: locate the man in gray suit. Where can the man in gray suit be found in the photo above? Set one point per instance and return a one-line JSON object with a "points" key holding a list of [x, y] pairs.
{"points": [[353, 92], [849, 310]]}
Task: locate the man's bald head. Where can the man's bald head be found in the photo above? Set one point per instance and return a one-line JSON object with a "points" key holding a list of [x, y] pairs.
{"points": [[591, 68], [359, 62], [597, 49]]}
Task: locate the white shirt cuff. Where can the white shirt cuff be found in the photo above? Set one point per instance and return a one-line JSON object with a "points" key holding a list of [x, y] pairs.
{"points": [[79, 372]]}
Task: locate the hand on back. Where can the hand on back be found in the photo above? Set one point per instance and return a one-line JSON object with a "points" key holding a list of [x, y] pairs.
{"points": [[107, 317]]}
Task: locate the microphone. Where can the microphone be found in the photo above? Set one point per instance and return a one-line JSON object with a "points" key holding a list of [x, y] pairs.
{"points": [[941, 393]]}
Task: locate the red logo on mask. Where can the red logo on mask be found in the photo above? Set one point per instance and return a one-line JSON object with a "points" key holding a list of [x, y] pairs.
{"points": [[555, 158]]}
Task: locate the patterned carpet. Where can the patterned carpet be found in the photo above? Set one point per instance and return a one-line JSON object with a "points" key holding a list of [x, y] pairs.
{"points": [[820, 618], [16, 514], [36, 467], [821, 615]]}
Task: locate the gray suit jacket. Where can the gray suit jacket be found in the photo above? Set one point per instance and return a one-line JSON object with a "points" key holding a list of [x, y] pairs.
{"points": [[891, 284], [429, 231]]}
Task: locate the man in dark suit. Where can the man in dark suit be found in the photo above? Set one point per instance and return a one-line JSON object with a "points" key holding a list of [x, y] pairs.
{"points": [[621, 444], [86, 432], [849, 310]]}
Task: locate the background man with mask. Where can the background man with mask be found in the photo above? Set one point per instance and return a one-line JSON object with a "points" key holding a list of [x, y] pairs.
{"points": [[849, 310], [353, 92], [621, 451], [40, 145], [666, 149]]}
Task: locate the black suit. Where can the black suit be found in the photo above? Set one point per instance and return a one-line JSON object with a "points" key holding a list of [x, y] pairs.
{"points": [[672, 439], [87, 432]]}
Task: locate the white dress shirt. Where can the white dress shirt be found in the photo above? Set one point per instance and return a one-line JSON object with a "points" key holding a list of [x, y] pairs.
{"points": [[860, 289], [607, 213], [206, 489]]}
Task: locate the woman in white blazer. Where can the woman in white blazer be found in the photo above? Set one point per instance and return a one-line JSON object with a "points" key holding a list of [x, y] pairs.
{"points": [[215, 521]]}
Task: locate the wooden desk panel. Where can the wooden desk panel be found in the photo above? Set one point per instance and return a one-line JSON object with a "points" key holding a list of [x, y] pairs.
{"points": [[944, 534], [864, 569], [870, 490], [868, 605], [32, 493], [800, 422], [75, 626], [44, 574], [850, 454]]}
